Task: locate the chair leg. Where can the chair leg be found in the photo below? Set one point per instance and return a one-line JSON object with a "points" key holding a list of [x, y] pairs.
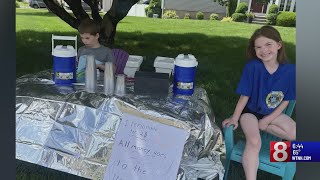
{"points": [[227, 167], [290, 171], [288, 176]]}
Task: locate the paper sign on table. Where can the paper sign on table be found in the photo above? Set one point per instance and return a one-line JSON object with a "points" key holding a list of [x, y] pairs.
{"points": [[145, 150]]}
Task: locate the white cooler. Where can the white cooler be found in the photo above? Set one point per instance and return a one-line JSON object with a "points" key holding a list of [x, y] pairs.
{"points": [[133, 65], [164, 64]]}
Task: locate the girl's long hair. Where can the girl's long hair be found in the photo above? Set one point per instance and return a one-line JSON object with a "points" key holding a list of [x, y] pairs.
{"points": [[271, 33]]}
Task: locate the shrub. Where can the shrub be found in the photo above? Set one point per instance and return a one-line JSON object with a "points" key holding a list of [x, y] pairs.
{"points": [[271, 19], [238, 17], [287, 19], [149, 12], [17, 5], [187, 16], [232, 6], [226, 19], [153, 8], [250, 15], [214, 16], [242, 8], [273, 9], [170, 15], [200, 15]]}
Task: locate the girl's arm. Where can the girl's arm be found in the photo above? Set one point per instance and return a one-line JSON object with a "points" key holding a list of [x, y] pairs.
{"points": [[237, 113], [239, 107], [269, 118]]}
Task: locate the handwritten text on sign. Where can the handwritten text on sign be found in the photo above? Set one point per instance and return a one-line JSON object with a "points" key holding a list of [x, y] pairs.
{"points": [[145, 150]]}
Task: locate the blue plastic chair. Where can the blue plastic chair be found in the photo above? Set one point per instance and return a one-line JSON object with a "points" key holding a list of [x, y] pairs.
{"points": [[234, 152], [121, 58]]}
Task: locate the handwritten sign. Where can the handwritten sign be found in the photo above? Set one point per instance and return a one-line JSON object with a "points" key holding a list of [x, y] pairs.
{"points": [[145, 150]]}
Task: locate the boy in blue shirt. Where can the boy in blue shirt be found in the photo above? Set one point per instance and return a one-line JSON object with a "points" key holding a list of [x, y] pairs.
{"points": [[266, 86]]}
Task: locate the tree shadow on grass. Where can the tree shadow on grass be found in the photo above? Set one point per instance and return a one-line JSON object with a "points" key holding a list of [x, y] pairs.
{"points": [[221, 59]]}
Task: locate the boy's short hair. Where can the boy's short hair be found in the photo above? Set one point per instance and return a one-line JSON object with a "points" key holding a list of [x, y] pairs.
{"points": [[89, 26]]}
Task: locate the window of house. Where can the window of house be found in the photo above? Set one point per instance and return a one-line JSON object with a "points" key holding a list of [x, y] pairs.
{"points": [[281, 7], [288, 5]]}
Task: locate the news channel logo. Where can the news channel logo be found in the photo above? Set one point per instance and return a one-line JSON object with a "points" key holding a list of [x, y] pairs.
{"points": [[295, 151]]}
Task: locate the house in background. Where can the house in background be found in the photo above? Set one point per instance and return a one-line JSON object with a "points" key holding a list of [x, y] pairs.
{"points": [[206, 6], [193, 6], [284, 5], [260, 10], [139, 9]]}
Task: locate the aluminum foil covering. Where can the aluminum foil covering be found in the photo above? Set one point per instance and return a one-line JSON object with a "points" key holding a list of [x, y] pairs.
{"points": [[68, 129]]}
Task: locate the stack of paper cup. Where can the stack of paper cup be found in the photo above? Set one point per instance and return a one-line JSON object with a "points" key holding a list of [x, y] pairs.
{"points": [[108, 79], [120, 89], [91, 75]]}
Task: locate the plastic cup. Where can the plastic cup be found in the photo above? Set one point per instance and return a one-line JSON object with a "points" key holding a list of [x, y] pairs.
{"points": [[91, 75], [108, 79], [120, 89]]}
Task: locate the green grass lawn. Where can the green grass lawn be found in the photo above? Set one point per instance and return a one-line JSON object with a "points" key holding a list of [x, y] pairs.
{"points": [[22, 4], [218, 46]]}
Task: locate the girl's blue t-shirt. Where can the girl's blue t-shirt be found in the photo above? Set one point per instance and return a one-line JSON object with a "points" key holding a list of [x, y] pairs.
{"points": [[266, 91]]}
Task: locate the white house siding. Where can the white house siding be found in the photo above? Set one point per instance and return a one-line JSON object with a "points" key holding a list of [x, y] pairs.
{"points": [[138, 10], [106, 5], [246, 1], [194, 6]]}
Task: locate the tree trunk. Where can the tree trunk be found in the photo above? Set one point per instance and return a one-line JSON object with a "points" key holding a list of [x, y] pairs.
{"points": [[108, 23]]}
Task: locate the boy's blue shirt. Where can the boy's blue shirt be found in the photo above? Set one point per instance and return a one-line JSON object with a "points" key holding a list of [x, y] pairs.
{"points": [[266, 91]]}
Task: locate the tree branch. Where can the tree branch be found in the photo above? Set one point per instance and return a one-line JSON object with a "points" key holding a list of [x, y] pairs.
{"points": [[94, 5], [62, 13], [77, 10], [117, 12], [122, 8]]}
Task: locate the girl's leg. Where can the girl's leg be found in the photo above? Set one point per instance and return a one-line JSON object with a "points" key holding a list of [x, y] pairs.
{"points": [[250, 157], [283, 127]]}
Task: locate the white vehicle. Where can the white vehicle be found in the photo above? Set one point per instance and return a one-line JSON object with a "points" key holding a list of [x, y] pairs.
{"points": [[37, 4]]}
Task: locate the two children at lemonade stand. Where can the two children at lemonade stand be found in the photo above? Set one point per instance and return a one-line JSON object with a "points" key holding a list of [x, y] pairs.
{"points": [[89, 33], [266, 86]]}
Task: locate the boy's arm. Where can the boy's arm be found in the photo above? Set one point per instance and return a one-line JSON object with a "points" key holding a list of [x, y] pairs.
{"points": [[243, 100], [78, 53], [100, 66]]}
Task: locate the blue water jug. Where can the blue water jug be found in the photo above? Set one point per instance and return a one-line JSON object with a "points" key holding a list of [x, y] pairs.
{"points": [[64, 61], [184, 74]]}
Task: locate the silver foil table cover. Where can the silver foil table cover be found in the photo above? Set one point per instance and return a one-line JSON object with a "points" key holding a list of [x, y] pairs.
{"points": [[68, 129]]}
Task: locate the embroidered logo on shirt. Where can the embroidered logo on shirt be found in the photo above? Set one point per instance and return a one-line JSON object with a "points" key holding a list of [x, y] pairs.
{"points": [[274, 99]]}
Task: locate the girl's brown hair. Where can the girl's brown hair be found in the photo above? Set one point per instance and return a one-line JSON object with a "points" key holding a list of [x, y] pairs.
{"points": [[271, 33]]}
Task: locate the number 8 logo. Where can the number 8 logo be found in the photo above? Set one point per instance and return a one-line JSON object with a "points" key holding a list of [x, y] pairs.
{"points": [[278, 151]]}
